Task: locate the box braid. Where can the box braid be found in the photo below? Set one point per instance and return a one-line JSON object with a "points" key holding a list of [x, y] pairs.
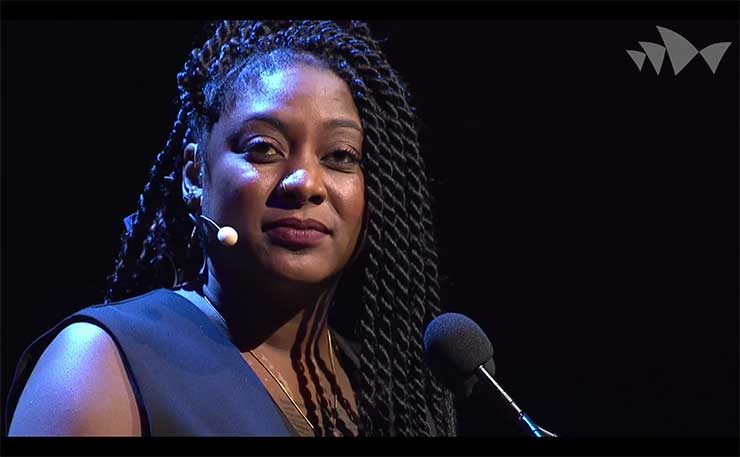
{"points": [[399, 283]]}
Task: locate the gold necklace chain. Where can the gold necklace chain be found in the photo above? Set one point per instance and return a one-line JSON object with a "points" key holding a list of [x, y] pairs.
{"points": [[290, 397], [285, 390]]}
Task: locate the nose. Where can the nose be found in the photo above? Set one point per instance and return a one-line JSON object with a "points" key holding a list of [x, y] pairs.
{"points": [[303, 184]]}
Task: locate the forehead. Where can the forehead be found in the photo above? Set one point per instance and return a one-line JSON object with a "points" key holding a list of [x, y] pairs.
{"points": [[298, 87]]}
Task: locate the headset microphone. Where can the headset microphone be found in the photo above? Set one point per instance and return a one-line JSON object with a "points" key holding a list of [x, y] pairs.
{"points": [[226, 235]]}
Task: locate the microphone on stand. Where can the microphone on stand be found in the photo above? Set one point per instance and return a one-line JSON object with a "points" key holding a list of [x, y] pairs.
{"points": [[460, 355]]}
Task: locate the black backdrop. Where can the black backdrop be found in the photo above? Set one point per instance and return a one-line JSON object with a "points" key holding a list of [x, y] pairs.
{"points": [[587, 211]]}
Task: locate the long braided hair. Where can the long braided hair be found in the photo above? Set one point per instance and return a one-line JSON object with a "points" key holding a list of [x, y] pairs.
{"points": [[397, 277]]}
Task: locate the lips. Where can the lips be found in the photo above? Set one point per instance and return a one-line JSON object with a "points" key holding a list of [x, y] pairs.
{"points": [[305, 224], [295, 232]]}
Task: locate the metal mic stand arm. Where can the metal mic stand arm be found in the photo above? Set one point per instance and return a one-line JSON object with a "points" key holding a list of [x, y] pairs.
{"points": [[535, 429]]}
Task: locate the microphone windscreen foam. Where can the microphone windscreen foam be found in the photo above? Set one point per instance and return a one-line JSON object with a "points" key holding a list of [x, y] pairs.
{"points": [[455, 346]]}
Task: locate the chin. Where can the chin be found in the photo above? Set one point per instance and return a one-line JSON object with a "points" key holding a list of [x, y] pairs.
{"points": [[299, 278], [303, 270]]}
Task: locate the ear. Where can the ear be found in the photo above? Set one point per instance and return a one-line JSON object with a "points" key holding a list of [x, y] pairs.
{"points": [[192, 183]]}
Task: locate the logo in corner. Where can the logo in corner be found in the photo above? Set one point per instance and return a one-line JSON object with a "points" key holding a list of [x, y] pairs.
{"points": [[680, 52]]}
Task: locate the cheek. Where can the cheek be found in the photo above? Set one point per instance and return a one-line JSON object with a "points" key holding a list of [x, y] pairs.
{"points": [[351, 204], [240, 190], [247, 181]]}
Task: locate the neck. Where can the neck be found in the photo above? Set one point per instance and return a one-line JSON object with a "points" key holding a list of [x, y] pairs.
{"points": [[271, 313]]}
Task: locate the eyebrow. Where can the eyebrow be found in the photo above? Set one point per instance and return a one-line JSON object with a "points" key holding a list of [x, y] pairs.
{"points": [[346, 123], [274, 122], [281, 126]]}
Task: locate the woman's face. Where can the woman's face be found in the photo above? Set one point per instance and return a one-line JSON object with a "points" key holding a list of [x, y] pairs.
{"points": [[288, 147]]}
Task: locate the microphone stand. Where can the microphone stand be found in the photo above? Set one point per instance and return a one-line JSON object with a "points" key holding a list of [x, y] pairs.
{"points": [[533, 428]]}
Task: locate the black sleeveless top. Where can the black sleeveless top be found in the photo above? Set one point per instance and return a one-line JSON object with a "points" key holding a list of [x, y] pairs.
{"points": [[188, 377]]}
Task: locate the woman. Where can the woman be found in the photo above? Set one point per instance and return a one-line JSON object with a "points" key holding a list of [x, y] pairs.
{"points": [[286, 224]]}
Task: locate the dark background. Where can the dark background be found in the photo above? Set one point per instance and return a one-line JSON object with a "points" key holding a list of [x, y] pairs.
{"points": [[587, 211]]}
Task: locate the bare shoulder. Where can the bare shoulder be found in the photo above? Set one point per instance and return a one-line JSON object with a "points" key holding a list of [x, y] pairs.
{"points": [[79, 387]]}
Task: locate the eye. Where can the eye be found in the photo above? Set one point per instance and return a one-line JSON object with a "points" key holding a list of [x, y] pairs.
{"points": [[345, 159], [261, 151]]}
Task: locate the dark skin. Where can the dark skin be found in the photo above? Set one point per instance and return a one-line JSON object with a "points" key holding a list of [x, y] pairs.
{"points": [[288, 147], [297, 161]]}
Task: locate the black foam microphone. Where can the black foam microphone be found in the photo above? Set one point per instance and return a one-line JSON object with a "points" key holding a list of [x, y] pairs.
{"points": [[460, 355]]}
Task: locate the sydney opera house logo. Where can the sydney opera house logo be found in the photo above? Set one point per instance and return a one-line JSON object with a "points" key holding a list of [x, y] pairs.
{"points": [[680, 52]]}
